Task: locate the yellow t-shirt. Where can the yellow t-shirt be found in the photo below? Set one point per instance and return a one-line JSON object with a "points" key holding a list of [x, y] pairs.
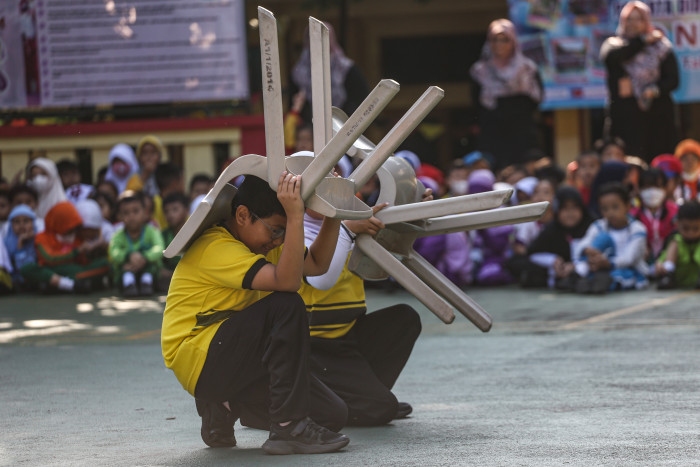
{"points": [[334, 311], [211, 281]]}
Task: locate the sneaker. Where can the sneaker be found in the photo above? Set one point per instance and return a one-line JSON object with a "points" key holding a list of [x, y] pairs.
{"points": [[666, 282], [146, 289], [404, 410], [583, 285], [601, 282], [82, 286], [217, 425], [303, 437], [130, 291]]}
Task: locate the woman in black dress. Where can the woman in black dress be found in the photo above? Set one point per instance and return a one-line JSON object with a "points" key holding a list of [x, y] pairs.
{"points": [[508, 90], [642, 73]]}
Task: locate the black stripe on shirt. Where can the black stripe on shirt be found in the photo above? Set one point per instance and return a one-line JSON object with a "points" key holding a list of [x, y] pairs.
{"points": [[250, 275]]}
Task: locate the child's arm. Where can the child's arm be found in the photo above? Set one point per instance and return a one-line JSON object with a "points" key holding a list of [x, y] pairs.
{"points": [[118, 248], [668, 257], [633, 251], [322, 249], [155, 253], [285, 276]]}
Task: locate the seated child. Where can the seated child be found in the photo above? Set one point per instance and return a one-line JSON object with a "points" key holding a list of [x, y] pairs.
{"points": [[5, 207], [61, 265], [611, 149], [200, 184], [550, 254], [5, 271], [95, 233], [136, 250], [526, 232], [491, 246], [587, 167], [679, 264], [611, 254], [688, 151], [169, 180], [19, 241], [176, 213], [24, 194], [235, 332], [673, 169], [69, 172], [657, 213]]}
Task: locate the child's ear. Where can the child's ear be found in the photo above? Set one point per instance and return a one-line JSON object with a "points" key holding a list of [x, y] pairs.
{"points": [[242, 215]]}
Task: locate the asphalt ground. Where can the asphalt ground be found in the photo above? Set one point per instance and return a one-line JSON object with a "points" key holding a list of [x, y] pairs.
{"points": [[560, 379]]}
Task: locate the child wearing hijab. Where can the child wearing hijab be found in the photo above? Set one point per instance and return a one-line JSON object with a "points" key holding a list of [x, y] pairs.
{"points": [[149, 152], [688, 152], [122, 166], [42, 176], [657, 213], [550, 254], [61, 265], [19, 241], [491, 246]]}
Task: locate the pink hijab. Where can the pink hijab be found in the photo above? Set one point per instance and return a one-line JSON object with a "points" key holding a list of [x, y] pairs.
{"points": [[518, 76]]}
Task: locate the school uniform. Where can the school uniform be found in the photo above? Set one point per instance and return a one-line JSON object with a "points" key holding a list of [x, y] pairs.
{"points": [[359, 356], [227, 342]]}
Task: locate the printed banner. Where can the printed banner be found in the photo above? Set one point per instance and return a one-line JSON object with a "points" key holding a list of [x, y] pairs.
{"points": [[59, 53], [564, 37]]}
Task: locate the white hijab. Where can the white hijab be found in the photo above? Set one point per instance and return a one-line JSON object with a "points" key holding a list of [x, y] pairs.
{"points": [[125, 153], [52, 192]]}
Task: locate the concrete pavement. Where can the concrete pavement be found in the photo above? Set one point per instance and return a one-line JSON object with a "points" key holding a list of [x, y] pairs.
{"points": [[560, 379]]}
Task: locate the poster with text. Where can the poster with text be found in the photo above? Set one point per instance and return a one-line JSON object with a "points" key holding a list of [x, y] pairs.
{"points": [[564, 37], [61, 53]]}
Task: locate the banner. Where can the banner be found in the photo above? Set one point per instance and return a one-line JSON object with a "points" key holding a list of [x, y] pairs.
{"points": [[59, 53], [564, 37]]}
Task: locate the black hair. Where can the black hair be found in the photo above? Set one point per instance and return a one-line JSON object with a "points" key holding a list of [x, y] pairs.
{"points": [[652, 177], [588, 154], [457, 164], [200, 178], [130, 196], [22, 188], [256, 194], [615, 188], [177, 197], [167, 173], [601, 144], [552, 173], [5, 193], [689, 211], [98, 195], [66, 165]]}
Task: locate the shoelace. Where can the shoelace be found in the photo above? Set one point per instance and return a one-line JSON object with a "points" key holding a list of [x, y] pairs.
{"points": [[308, 429]]}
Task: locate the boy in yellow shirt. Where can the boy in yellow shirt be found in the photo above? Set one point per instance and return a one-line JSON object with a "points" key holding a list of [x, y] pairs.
{"points": [[235, 331]]}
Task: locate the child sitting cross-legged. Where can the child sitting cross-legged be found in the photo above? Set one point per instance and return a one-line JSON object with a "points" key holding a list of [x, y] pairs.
{"points": [[176, 210], [236, 332], [135, 251], [611, 254], [19, 242], [61, 264], [679, 264]]}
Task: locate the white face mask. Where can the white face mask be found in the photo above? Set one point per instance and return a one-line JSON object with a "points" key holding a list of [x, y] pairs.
{"points": [[459, 187], [652, 197], [40, 183], [68, 239]]}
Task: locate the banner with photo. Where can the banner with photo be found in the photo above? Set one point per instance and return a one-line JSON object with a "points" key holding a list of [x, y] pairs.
{"points": [[564, 37], [59, 53]]}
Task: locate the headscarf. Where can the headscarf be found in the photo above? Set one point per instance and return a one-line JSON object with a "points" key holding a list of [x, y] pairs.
{"points": [[340, 65], [480, 181], [125, 153], [90, 213], [519, 76], [53, 192], [644, 68], [687, 146], [10, 237], [555, 238], [671, 166], [60, 219], [148, 186]]}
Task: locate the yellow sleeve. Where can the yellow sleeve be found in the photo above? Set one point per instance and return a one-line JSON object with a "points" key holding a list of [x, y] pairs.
{"points": [[230, 264], [291, 121]]}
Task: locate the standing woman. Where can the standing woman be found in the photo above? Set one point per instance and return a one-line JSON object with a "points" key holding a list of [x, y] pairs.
{"points": [[642, 73], [508, 90]]}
